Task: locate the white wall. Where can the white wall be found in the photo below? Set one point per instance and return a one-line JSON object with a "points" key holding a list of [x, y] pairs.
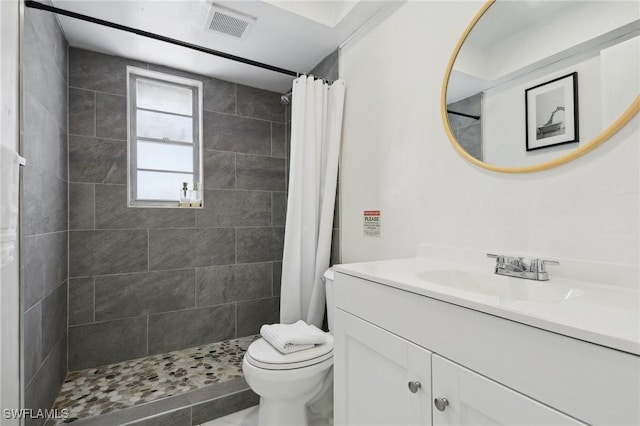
{"points": [[9, 302], [396, 158]]}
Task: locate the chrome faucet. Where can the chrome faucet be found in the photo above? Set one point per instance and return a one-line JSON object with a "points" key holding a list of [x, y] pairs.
{"points": [[520, 267]]}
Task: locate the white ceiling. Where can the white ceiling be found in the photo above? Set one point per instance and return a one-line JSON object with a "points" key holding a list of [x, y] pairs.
{"points": [[514, 38], [294, 35]]}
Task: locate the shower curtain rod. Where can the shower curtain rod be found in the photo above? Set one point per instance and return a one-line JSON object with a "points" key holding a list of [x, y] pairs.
{"points": [[38, 5], [475, 117]]}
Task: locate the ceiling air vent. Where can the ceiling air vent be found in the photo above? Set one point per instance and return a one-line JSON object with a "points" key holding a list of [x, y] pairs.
{"points": [[229, 23]]}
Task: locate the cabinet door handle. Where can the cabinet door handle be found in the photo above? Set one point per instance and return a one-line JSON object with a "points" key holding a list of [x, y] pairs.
{"points": [[414, 386], [441, 403]]}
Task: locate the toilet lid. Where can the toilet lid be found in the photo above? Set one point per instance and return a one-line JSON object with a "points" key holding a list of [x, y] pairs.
{"points": [[261, 354]]}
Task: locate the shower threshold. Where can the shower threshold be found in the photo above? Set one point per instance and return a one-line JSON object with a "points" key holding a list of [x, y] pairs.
{"points": [[186, 387]]}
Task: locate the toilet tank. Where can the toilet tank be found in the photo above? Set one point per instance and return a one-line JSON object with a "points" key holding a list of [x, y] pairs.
{"points": [[328, 286]]}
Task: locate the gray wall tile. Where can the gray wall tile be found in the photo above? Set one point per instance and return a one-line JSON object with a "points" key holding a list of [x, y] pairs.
{"points": [[278, 208], [467, 131], [81, 300], [182, 329], [99, 72], [186, 248], [50, 39], [112, 212], [81, 205], [168, 238], [278, 140], [44, 202], [82, 112], [45, 385], [335, 247], [43, 210], [225, 132], [41, 76], [32, 326], [277, 278], [101, 252], [258, 103], [107, 342], [54, 316], [219, 169], [219, 96], [31, 277], [470, 138], [223, 406], [224, 284], [174, 418], [120, 296], [259, 244], [44, 139], [258, 172], [111, 116], [43, 265], [254, 313], [95, 160], [227, 208], [336, 210]]}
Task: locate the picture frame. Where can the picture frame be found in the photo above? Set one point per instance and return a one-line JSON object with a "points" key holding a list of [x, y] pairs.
{"points": [[551, 113]]}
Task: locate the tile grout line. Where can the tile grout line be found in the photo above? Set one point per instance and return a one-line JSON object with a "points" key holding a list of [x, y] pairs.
{"points": [[94, 299], [95, 114]]}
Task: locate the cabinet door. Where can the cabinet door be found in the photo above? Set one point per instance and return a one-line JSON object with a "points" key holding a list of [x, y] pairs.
{"points": [[372, 370], [475, 400]]}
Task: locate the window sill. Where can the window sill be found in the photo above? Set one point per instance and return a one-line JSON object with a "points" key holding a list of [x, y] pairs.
{"points": [[151, 206]]}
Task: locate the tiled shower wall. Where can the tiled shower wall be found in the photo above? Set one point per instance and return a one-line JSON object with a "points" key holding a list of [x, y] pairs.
{"points": [[468, 131], [145, 281], [43, 210]]}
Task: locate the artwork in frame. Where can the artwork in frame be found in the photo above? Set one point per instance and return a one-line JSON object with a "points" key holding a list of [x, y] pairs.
{"points": [[551, 111]]}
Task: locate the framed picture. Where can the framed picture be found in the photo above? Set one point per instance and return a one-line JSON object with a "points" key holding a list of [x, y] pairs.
{"points": [[551, 111]]}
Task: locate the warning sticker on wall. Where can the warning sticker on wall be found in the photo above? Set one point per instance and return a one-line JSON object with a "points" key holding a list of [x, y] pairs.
{"points": [[372, 223]]}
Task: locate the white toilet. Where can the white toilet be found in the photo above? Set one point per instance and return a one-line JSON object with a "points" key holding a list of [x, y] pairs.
{"points": [[288, 384]]}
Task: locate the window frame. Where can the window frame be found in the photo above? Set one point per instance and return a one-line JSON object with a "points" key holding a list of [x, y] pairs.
{"points": [[196, 86]]}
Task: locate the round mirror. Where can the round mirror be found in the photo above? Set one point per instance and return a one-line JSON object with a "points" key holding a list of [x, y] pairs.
{"points": [[533, 84]]}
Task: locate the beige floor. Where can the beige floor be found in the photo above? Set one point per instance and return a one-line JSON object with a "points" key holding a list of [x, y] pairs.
{"points": [[247, 417]]}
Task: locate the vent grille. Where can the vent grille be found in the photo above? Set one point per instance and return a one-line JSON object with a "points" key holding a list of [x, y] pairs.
{"points": [[229, 23]]}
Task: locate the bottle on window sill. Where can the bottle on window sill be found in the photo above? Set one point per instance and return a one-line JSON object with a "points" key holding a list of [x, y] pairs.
{"points": [[196, 196], [185, 195]]}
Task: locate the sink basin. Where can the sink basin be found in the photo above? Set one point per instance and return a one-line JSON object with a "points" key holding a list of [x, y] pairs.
{"points": [[504, 289]]}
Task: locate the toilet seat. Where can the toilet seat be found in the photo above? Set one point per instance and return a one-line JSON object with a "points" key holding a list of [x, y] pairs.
{"points": [[262, 355]]}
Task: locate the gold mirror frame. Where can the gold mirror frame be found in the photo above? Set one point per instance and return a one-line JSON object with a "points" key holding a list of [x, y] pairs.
{"points": [[628, 114]]}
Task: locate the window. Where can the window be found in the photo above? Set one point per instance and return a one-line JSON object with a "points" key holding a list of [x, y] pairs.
{"points": [[165, 137]]}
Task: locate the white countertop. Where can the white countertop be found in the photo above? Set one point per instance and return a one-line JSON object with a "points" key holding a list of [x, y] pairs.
{"points": [[601, 314]]}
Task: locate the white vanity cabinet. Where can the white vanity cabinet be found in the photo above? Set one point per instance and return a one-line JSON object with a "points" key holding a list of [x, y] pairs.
{"points": [[472, 399], [490, 369], [374, 373]]}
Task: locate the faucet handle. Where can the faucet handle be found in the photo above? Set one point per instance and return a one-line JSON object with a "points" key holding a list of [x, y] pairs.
{"points": [[538, 264]]}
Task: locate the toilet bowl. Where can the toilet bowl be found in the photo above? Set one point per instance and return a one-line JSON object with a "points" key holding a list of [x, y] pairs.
{"points": [[288, 383]]}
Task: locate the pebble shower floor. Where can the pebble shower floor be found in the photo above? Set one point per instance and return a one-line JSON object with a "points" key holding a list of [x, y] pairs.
{"points": [[96, 391]]}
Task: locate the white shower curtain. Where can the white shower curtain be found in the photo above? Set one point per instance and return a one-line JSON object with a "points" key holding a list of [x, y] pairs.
{"points": [[316, 126]]}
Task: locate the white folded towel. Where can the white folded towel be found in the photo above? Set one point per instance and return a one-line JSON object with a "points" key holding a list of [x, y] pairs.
{"points": [[288, 338]]}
